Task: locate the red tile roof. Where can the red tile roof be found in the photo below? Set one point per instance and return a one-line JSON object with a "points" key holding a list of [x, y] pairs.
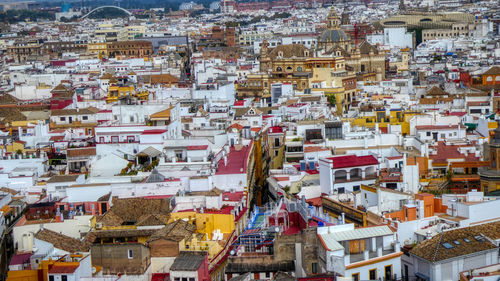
{"points": [[317, 201], [352, 161], [315, 149], [445, 152], [394, 157], [236, 126], [20, 259], [63, 269], [438, 127], [153, 132], [457, 113], [197, 147]]}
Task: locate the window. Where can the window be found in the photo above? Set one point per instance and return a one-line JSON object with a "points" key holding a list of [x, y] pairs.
{"points": [[85, 117], [114, 139], [341, 190], [191, 279], [62, 118], [130, 139], [51, 277], [388, 272], [314, 267], [268, 274], [130, 254], [355, 188], [372, 274], [64, 278], [355, 277], [428, 134], [276, 142]]}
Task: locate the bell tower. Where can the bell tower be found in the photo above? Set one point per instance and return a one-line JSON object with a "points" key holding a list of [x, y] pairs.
{"points": [[333, 19], [495, 150]]}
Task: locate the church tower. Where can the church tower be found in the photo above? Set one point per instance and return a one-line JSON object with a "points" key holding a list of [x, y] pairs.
{"points": [[333, 19], [495, 150]]}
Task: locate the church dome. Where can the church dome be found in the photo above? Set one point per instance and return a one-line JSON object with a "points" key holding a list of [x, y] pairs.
{"points": [[333, 36]]}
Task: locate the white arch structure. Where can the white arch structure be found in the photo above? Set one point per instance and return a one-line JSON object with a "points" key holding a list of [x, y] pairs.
{"points": [[103, 7]]}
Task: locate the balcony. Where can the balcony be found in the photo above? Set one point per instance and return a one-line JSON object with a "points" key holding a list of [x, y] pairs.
{"points": [[354, 179], [353, 258]]}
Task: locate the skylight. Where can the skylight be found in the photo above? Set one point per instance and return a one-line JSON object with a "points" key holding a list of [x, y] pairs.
{"points": [[447, 245], [479, 238], [456, 242], [467, 240]]}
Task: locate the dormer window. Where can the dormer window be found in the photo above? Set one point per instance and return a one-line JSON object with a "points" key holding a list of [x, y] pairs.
{"points": [[280, 54]]}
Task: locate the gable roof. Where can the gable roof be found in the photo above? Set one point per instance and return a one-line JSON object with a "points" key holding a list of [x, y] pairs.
{"points": [[253, 111], [240, 111], [494, 70], [159, 79], [60, 88], [153, 219], [134, 210], [174, 231], [8, 99], [81, 151], [62, 178], [188, 261], [436, 91], [61, 241], [365, 48], [433, 249], [290, 50]]}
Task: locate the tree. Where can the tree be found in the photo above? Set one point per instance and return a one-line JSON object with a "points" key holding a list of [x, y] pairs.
{"points": [[332, 100]]}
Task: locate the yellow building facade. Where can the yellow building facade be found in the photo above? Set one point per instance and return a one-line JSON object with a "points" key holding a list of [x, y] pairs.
{"points": [[115, 92]]}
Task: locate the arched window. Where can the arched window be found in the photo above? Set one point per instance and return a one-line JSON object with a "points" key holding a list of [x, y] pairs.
{"points": [[279, 69], [300, 69]]}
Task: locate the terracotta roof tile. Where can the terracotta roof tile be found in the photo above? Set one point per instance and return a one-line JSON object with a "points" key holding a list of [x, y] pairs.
{"points": [[61, 241], [433, 249]]}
